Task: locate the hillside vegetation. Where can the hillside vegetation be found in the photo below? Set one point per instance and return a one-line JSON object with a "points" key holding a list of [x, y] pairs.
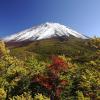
{"points": [[71, 47], [51, 69]]}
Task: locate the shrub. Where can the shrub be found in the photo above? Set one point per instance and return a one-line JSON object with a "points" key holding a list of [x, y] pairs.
{"points": [[24, 96], [51, 81], [40, 97], [80, 95], [2, 94]]}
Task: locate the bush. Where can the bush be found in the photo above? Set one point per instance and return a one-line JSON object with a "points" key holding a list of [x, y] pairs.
{"points": [[80, 95], [40, 97], [24, 96], [2, 94]]}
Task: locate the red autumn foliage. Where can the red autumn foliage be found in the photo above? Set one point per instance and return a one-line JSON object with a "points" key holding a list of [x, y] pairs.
{"points": [[58, 91], [58, 65], [44, 81], [51, 81], [63, 82]]}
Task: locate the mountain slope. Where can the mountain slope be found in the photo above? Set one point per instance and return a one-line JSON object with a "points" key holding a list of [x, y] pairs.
{"points": [[44, 31], [75, 48]]}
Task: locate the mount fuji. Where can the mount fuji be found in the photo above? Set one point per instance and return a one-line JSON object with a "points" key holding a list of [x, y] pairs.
{"points": [[44, 31]]}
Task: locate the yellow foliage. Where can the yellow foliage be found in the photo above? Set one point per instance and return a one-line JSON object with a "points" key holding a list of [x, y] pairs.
{"points": [[2, 94], [80, 95], [95, 42], [41, 97], [3, 50], [24, 96]]}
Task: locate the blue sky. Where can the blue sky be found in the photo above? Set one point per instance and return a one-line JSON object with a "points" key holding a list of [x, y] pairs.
{"points": [[81, 15]]}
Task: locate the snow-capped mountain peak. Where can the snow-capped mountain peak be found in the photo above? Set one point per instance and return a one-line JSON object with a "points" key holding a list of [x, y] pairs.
{"points": [[44, 31]]}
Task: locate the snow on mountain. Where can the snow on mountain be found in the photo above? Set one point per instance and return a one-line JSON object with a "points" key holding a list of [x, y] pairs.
{"points": [[44, 31]]}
